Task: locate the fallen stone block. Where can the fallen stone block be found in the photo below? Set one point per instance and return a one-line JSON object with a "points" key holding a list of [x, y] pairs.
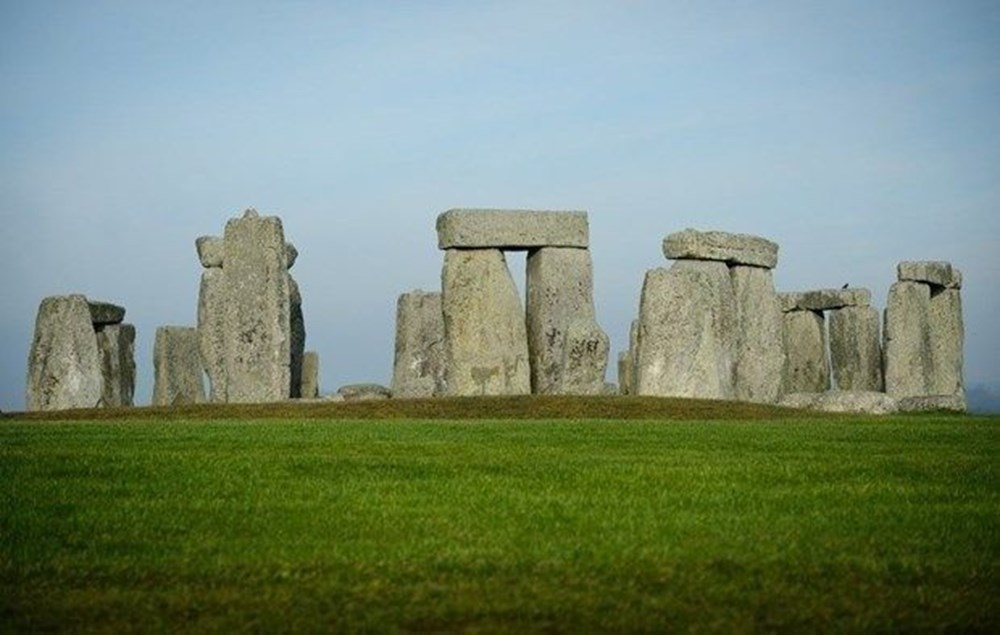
{"points": [[363, 392], [937, 273], [177, 368], [824, 299], [934, 403], [511, 229], [853, 402], [734, 249]]}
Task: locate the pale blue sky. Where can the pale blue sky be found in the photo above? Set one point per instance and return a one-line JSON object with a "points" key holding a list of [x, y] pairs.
{"points": [[855, 134]]}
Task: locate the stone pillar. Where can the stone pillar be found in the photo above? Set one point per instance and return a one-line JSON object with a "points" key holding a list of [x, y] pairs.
{"points": [[559, 291], [64, 365], [116, 347], [946, 338], [297, 325], [760, 351], [486, 344], [212, 330], [177, 367], [310, 375], [908, 363], [856, 349], [687, 332], [257, 310], [806, 365], [418, 368], [585, 359]]}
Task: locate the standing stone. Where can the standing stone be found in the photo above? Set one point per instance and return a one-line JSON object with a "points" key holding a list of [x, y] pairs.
{"points": [[64, 367], [625, 367], [908, 356], [559, 291], [116, 347], [947, 335], [856, 349], [298, 329], [212, 331], [418, 368], [177, 367], [760, 352], [806, 365], [486, 344], [687, 332], [585, 359], [310, 375], [257, 324]]}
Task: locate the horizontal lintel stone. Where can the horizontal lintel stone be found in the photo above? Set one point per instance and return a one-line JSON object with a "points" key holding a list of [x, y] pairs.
{"points": [[512, 229], [933, 272], [733, 249], [824, 299], [103, 313]]}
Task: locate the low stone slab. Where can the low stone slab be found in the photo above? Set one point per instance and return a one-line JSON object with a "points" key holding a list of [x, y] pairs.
{"points": [[512, 229], [737, 249], [855, 402], [824, 299], [210, 251], [935, 272], [102, 313], [363, 392], [933, 403]]}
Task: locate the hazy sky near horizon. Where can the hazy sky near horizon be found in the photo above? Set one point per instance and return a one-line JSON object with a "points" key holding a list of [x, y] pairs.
{"points": [[854, 133]]}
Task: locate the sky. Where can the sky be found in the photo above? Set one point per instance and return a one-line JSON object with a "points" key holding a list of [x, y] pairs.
{"points": [[855, 134]]}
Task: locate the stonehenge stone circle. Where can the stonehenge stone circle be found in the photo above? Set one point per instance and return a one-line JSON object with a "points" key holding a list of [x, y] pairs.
{"points": [[418, 368], [212, 331], [734, 249], [82, 355], [177, 367], [511, 229], [310, 375], [856, 349], [807, 368], [559, 292], [760, 342], [824, 299], [687, 332], [585, 358], [486, 344]]}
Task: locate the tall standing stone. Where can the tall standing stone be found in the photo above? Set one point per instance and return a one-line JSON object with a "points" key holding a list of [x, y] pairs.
{"points": [[177, 367], [297, 325], [310, 375], [908, 361], [116, 347], [806, 366], [760, 351], [418, 368], [559, 291], [585, 359], [947, 335], [687, 332], [856, 349], [212, 331], [257, 311], [64, 365], [486, 342]]}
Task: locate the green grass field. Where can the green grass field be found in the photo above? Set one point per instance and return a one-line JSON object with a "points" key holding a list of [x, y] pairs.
{"points": [[331, 524]]}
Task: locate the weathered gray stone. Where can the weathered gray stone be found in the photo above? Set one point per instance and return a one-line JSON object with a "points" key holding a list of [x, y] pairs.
{"points": [[760, 349], [937, 273], [933, 403], [310, 375], [257, 310], [806, 366], [908, 356], [211, 251], [64, 368], [856, 349], [418, 368], [511, 229], [559, 291], [737, 249], [116, 347], [291, 255], [103, 313], [947, 336], [486, 344], [687, 332], [585, 358], [856, 402], [625, 367], [297, 325], [364, 392], [177, 367], [824, 299], [212, 331]]}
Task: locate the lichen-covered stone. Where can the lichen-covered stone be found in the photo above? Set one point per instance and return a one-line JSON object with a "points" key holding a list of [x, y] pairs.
{"points": [[177, 367], [856, 402], [64, 367], [824, 299], [559, 291], [687, 332], [807, 368], [486, 344], [856, 349], [934, 403], [363, 392], [418, 368], [585, 358], [511, 229], [760, 348], [116, 347], [931, 272], [735, 249]]}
